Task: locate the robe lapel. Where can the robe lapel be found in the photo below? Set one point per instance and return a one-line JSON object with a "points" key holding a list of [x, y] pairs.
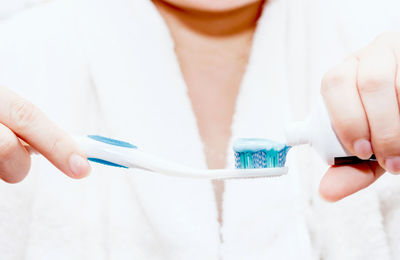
{"points": [[144, 100], [263, 218]]}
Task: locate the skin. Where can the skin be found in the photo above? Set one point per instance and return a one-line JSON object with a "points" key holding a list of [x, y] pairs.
{"points": [[22, 124], [361, 95]]}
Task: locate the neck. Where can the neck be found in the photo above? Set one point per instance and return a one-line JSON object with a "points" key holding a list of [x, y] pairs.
{"points": [[212, 45], [213, 24], [213, 50]]}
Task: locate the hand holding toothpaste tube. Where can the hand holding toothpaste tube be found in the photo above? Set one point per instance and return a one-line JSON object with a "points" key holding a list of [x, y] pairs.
{"points": [[362, 98]]}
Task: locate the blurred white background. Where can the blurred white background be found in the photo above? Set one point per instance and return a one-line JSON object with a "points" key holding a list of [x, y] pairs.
{"points": [[8, 7]]}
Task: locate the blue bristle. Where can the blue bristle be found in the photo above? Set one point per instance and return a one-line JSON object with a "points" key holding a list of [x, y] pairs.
{"points": [[250, 153]]}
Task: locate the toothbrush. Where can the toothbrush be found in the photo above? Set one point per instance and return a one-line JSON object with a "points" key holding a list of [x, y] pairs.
{"points": [[122, 154]]}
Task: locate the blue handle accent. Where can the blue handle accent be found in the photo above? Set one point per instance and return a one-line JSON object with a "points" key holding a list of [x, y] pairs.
{"points": [[112, 141], [97, 160]]}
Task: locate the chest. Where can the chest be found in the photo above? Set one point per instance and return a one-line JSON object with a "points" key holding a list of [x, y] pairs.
{"points": [[213, 77]]}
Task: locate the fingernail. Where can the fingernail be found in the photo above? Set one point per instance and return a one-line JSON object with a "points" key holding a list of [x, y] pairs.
{"points": [[79, 165], [393, 164], [363, 149]]}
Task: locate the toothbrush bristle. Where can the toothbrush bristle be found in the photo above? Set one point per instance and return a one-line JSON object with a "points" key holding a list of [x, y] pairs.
{"points": [[259, 153], [244, 177]]}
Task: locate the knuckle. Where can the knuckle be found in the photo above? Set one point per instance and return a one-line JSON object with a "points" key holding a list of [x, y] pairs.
{"points": [[56, 145], [374, 83], [22, 114], [388, 37], [331, 80]]}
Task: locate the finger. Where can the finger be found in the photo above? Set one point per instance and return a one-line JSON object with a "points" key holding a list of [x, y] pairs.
{"points": [[376, 85], [31, 125], [15, 160], [342, 181], [339, 90]]}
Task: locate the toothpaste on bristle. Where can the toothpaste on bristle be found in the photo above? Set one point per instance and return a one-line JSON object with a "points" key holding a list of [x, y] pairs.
{"points": [[259, 153]]}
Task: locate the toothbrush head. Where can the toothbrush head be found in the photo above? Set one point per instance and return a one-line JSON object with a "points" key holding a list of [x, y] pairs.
{"points": [[259, 153]]}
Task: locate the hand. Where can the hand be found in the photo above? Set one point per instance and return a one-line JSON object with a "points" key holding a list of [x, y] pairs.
{"points": [[20, 120], [362, 98]]}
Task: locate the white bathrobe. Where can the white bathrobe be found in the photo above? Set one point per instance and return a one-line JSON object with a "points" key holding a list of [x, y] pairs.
{"points": [[108, 67]]}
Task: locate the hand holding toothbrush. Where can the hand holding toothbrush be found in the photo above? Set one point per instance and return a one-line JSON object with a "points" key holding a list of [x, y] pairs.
{"points": [[24, 128], [20, 120], [362, 98]]}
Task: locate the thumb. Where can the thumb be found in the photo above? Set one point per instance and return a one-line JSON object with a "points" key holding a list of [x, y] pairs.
{"points": [[342, 181]]}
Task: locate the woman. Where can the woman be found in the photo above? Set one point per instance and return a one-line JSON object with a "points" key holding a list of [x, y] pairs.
{"points": [[182, 79]]}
